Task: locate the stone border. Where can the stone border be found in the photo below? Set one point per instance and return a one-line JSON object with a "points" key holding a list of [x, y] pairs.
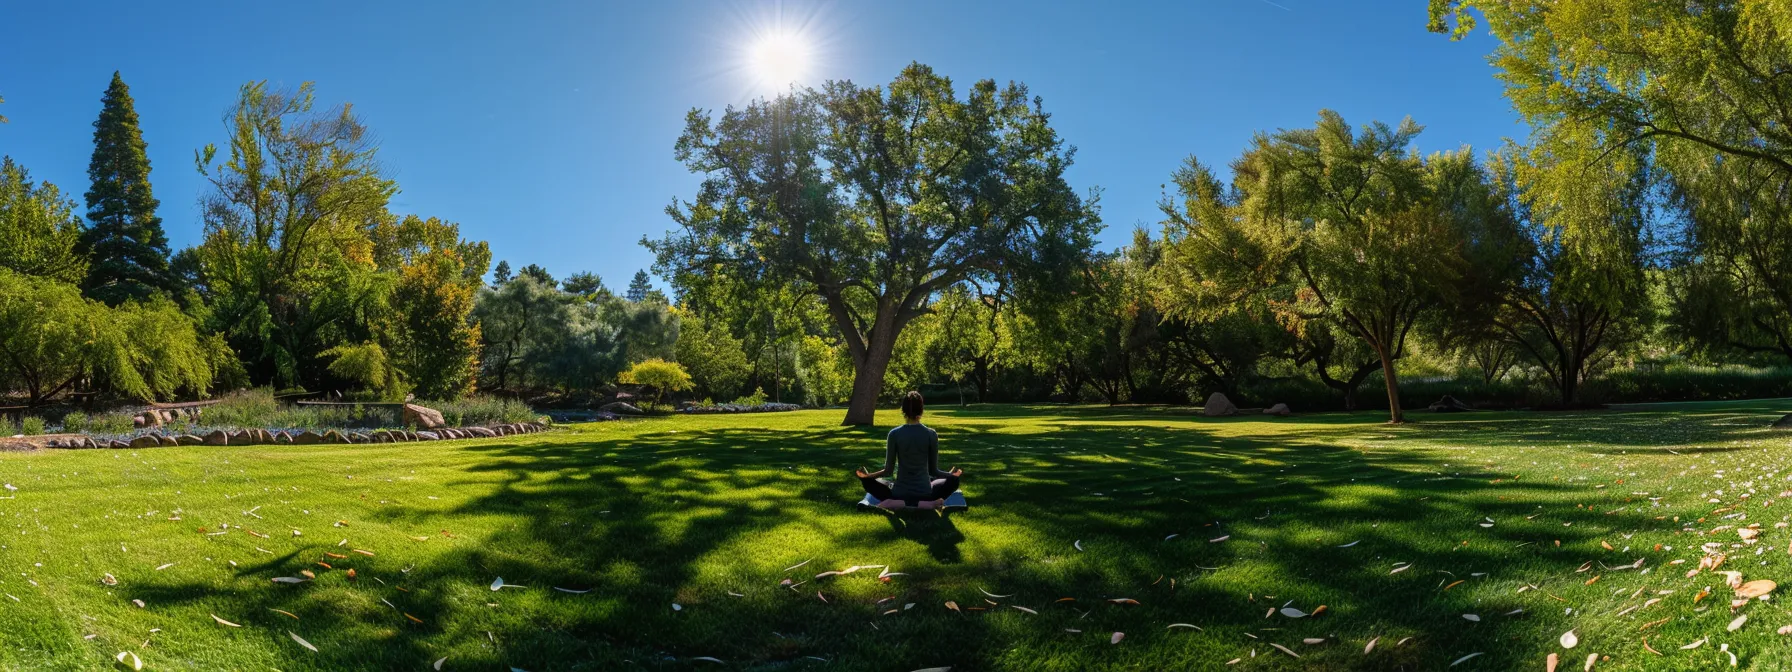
{"points": [[262, 437]]}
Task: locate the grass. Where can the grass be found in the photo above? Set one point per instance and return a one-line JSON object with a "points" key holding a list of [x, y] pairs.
{"points": [[706, 512]]}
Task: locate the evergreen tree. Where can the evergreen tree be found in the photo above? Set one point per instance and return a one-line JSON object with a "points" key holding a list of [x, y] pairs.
{"points": [[540, 275], [639, 287], [501, 274], [128, 249]]}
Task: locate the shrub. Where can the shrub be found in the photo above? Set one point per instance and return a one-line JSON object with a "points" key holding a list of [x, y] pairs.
{"points": [[754, 399], [31, 425], [113, 423], [659, 374], [483, 410], [75, 421]]}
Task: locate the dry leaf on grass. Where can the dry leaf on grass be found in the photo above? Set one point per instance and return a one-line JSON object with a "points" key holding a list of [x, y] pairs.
{"points": [[1459, 661], [286, 613], [301, 640], [582, 592], [1370, 646], [129, 661], [1284, 649], [1471, 617], [1117, 637], [1737, 624], [224, 622], [1291, 612], [1756, 588]]}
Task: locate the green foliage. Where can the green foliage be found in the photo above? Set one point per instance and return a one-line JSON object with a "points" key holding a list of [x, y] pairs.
{"points": [[501, 274], [366, 364], [1333, 229], [659, 374], [75, 421], [433, 343], [128, 249], [484, 410], [165, 348], [31, 425], [825, 370], [40, 234], [756, 398], [51, 338], [113, 423], [287, 262], [536, 336], [876, 199], [585, 284], [717, 363]]}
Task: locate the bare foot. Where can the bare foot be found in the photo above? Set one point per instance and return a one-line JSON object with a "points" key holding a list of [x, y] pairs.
{"points": [[932, 504], [891, 504]]}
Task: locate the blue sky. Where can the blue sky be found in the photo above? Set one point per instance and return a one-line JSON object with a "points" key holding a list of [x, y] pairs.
{"points": [[547, 128]]}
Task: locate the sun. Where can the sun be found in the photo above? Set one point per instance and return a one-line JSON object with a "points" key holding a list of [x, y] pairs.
{"points": [[780, 59]]}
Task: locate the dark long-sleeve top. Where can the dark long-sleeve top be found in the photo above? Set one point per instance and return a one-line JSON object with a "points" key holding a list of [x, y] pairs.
{"points": [[913, 450]]}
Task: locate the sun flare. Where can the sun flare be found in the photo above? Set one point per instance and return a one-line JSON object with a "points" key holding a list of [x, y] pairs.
{"points": [[780, 59]]}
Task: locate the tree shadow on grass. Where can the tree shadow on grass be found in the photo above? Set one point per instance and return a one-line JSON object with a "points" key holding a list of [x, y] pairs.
{"points": [[1208, 523]]}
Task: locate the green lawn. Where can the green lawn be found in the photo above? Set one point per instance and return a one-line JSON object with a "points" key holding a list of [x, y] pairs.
{"points": [[707, 512]]}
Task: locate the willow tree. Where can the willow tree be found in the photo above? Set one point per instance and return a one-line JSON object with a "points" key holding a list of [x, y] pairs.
{"points": [[1330, 228], [1702, 90], [875, 199]]}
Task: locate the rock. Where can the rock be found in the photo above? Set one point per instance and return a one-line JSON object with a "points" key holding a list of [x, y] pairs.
{"points": [[482, 432], [620, 408], [1449, 404], [146, 441], [217, 438], [1218, 405], [357, 437], [423, 417], [624, 396], [1278, 409], [115, 443], [170, 441], [332, 436], [501, 430], [283, 438], [428, 436], [307, 438], [241, 437], [137, 422]]}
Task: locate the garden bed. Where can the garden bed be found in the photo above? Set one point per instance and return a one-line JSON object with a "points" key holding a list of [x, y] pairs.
{"points": [[768, 407]]}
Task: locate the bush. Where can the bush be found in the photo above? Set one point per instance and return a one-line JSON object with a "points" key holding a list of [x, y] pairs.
{"points": [[659, 374], [483, 410], [113, 423], [75, 421], [31, 425], [754, 399]]}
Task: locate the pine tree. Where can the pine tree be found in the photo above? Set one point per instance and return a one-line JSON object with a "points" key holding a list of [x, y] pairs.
{"points": [[640, 287], [128, 249], [501, 274]]}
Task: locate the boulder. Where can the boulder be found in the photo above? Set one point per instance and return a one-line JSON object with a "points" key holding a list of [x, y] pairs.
{"points": [[423, 417], [217, 438], [620, 408], [501, 430], [282, 438], [428, 436], [333, 436], [307, 438], [146, 441], [483, 432], [241, 437], [1218, 405], [1449, 404], [170, 441], [1278, 409], [357, 437], [115, 443]]}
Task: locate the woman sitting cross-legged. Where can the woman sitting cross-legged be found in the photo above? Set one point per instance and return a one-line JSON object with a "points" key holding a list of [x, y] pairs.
{"points": [[913, 452]]}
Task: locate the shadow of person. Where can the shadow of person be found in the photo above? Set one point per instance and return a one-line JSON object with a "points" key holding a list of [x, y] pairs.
{"points": [[933, 529]]}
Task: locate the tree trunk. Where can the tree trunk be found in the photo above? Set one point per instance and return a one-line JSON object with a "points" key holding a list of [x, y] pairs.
{"points": [[1393, 382], [868, 377]]}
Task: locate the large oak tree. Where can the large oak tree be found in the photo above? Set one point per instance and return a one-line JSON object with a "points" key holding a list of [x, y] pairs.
{"points": [[875, 199]]}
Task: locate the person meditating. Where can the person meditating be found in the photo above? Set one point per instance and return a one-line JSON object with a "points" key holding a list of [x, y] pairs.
{"points": [[913, 451]]}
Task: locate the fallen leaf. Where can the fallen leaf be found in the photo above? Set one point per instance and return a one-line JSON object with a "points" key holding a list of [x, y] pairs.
{"points": [[953, 606], [301, 640], [1471, 617], [1695, 645], [439, 662], [576, 592], [288, 579], [1216, 540], [129, 661], [109, 580], [1117, 637], [1019, 608], [1313, 640], [1737, 624], [1284, 649], [1197, 627], [1291, 612], [287, 613], [1350, 544], [1123, 600], [1756, 588], [1370, 646], [1570, 640], [1078, 544], [1459, 661], [224, 622]]}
